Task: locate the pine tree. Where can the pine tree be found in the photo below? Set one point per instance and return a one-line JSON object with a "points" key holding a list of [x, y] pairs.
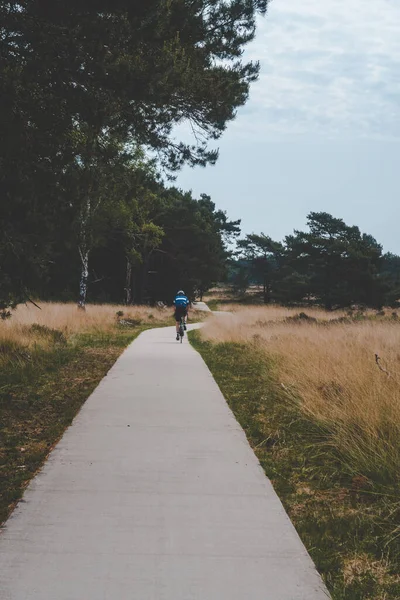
{"points": [[127, 69]]}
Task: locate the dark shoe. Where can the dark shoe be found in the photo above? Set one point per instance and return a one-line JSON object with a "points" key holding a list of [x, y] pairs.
{"points": [[177, 337]]}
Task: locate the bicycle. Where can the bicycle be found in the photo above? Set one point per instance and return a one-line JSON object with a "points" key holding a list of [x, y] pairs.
{"points": [[181, 329]]}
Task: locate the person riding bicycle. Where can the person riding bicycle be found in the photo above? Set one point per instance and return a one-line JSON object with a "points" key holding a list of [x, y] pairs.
{"points": [[181, 304]]}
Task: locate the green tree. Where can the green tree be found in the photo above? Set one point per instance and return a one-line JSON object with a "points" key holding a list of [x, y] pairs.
{"points": [[340, 264], [127, 69], [390, 278], [155, 240], [265, 257], [239, 276], [194, 251]]}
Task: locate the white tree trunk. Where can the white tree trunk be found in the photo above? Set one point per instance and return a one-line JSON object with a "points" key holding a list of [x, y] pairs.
{"points": [[128, 284], [84, 278], [84, 253]]}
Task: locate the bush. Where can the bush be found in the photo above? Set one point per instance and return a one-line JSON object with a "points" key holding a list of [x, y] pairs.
{"points": [[54, 335]]}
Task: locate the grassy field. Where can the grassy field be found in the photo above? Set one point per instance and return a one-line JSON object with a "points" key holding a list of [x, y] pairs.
{"points": [[50, 361], [218, 297], [323, 416]]}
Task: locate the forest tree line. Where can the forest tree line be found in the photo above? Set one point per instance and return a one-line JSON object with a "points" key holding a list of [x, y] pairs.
{"points": [[331, 264], [91, 94]]}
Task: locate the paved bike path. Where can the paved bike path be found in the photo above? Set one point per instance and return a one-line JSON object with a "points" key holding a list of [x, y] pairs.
{"points": [[154, 494]]}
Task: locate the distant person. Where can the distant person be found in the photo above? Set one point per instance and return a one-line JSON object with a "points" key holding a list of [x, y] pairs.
{"points": [[181, 304]]}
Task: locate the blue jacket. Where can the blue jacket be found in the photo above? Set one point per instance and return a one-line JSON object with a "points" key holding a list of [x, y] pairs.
{"points": [[181, 301]]}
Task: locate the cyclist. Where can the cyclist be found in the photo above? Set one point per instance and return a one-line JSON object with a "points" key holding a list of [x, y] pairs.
{"points": [[181, 304]]}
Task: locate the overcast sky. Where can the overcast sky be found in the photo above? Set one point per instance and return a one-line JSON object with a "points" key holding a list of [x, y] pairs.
{"points": [[321, 130]]}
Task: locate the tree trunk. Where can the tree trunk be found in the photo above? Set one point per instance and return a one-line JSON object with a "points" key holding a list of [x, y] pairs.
{"points": [[266, 292], [84, 253], [144, 278], [128, 283], [84, 278]]}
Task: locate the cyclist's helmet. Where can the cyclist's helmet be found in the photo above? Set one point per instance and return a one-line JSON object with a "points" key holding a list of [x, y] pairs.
{"points": [[181, 293]]}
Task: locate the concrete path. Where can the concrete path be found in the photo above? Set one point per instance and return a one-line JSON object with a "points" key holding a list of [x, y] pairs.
{"points": [[201, 306], [154, 494]]}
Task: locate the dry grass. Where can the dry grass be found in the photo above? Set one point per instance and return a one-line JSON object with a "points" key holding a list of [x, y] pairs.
{"points": [[30, 325], [328, 368], [252, 315], [69, 318], [356, 567]]}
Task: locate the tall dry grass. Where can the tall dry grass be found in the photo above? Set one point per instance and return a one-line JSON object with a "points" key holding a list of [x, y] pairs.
{"points": [[328, 369], [28, 323]]}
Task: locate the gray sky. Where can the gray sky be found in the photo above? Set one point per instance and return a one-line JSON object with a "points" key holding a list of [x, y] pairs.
{"points": [[322, 128]]}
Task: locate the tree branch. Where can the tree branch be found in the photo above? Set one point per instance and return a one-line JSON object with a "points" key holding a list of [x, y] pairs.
{"points": [[32, 302], [377, 359]]}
